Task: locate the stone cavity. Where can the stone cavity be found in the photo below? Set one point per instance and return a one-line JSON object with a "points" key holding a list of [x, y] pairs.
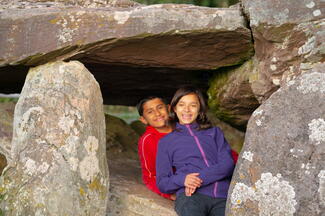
{"points": [[59, 164]]}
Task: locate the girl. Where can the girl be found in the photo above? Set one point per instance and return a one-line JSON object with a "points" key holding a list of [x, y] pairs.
{"points": [[200, 156]]}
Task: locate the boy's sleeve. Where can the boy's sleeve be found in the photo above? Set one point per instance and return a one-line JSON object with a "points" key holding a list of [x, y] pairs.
{"points": [[149, 151], [225, 165], [167, 181]]}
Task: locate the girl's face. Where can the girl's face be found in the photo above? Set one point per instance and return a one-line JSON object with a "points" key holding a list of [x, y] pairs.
{"points": [[187, 109]]}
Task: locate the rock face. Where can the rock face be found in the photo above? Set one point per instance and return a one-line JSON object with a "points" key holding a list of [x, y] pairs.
{"points": [[129, 196], [281, 167], [123, 47], [6, 124], [59, 162], [231, 97], [121, 138], [288, 40]]}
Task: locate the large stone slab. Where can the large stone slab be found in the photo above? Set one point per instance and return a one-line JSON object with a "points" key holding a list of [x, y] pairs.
{"points": [[281, 166], [59, 164], [129, 196], [176, 36], [288, 39]]}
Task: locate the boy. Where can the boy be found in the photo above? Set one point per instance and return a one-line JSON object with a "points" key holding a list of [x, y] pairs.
{"points": [[153, 113]]}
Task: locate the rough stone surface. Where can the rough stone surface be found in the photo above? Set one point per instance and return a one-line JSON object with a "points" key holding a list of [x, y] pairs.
{"points": [[120, 137], [59, 164], [281, 166], [231, 97], [161, 46], [119, 35], [6, 124], [138, 127], [129, 196], [288, 39], [234, 137], [27, 4]]}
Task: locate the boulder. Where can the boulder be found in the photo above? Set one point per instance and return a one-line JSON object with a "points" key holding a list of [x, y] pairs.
{"points": [[129, 196], [121, 138], [281, 167], [234, 137], [138, 127], [59, 164], [288, 40], [231, 97], [6, 123]]}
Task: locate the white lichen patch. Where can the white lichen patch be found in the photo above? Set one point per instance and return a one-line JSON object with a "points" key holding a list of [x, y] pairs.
{"points": [[66, 123], [308, 46], [273, 67], [91, 145], [274, 195], [89, 166], [27, 122], [257, 112], [321, 189], [121, 16], [276, 81], [258, 122], [312, 82], [248, 156], [73, 162], [317, 131], [317, 12], [30, 167], [241, 193], [310, 4]]}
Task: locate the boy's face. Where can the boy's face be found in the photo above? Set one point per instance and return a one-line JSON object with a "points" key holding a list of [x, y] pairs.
{"points": [[154, 113]]}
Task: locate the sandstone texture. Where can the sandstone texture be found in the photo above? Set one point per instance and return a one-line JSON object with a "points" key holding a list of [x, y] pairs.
{"points": [[288, 40], [59, 164], [129, 196], [281, 166]]}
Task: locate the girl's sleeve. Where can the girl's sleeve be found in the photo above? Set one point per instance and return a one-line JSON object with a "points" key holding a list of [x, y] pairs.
{"points": [[167, 181], [225, 164]]}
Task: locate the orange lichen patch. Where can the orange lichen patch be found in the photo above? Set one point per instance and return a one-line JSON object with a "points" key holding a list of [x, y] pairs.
{"points": [[54, 21]]}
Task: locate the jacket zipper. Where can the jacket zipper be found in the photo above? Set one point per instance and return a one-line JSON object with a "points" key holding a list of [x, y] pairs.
{"points": [[203, 155]]}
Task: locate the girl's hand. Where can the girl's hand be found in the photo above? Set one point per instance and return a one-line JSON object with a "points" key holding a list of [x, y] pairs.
{"points": [[189, 191], [173, 197], [192, 181]]}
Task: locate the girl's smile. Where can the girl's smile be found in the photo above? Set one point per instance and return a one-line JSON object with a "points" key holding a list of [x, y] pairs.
{"points": [[187, 109]]}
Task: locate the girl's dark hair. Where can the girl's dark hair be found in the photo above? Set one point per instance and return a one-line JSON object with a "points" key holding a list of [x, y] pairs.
{"points": [[202, 118]]}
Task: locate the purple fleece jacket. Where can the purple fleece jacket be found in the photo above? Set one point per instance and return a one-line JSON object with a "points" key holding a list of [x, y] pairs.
{"points": [[189, 150]]}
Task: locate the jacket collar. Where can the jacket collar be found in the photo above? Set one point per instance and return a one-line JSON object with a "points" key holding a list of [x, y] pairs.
{"points": [[153, 130], [182, 127]]}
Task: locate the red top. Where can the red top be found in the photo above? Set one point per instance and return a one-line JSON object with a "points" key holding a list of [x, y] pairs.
{"points": [[147, 149]]}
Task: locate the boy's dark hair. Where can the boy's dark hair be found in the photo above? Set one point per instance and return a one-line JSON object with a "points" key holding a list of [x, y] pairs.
{"points": [[202, 118], [144, 100]]}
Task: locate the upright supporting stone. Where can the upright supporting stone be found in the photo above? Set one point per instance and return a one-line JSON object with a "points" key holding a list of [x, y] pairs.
{"points": [[281, 169], [59, 160]]}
